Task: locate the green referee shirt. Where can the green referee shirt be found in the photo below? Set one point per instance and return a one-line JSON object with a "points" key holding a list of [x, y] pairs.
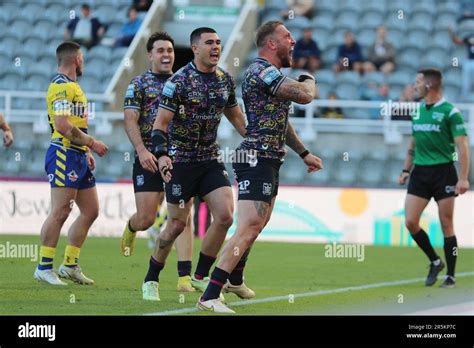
{"points": [[434, 131]]}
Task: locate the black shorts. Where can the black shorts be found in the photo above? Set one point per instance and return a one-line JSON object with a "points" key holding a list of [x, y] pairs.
{"points": [[195, 179], [438, 181], [145, 181], [259, 182]]}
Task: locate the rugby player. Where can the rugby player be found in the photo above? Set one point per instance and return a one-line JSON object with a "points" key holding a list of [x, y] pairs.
{"points": [[69, 164], [7, 131], [436, 128], [267, 95], [184, 141], [140, 107]]}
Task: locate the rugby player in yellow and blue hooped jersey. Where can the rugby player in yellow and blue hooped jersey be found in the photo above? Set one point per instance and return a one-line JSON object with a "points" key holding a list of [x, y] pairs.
{"points": [[68, 164]]}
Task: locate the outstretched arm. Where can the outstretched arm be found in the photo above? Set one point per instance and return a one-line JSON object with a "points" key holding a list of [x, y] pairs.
{"points": [[313, 162], [301, 92]]}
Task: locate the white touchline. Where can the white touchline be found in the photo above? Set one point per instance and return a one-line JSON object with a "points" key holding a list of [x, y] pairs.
{"points": [[306, 294]]}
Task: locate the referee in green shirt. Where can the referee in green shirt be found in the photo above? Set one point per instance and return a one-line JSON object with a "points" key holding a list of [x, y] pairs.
{"points": [[436, 127]]}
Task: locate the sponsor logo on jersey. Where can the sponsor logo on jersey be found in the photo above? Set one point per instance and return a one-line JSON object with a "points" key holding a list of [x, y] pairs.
{"points": [[140, 180], [72, 175], [426, 127], [176, 190], [269, 75], [267, 189], [130, 91], [438, 116], [168, 89]]}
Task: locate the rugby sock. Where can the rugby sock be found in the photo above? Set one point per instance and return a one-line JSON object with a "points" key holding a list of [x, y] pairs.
{"points": [[46, 257], [71, 256], [421, 238], [451, 253], [154, 270], [218, 279], [237, 275], [184, 268], [204, 265]]}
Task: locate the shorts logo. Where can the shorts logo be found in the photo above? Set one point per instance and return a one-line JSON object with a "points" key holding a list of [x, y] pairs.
{"points": [[140, 180], [50, 177], [267, 189], [224, 172], [243, 185], [72, 176], [176, 190], [450, 189], [168, 89]]}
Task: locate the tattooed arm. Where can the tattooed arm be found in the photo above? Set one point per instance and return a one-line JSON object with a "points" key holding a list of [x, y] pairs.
{"points": [[293, 141], [298, 92]]}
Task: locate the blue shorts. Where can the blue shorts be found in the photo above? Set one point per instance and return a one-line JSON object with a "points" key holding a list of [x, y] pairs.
{"points": [[68, 168]]}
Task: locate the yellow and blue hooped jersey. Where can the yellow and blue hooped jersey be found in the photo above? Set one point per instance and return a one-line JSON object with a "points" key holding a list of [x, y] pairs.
{"points": [[66, 98]]}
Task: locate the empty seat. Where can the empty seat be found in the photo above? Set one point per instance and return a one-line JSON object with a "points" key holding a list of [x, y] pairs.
{"points": [[323, 22], [371, 20], [348, 77], [422, 21], [348, 92]]}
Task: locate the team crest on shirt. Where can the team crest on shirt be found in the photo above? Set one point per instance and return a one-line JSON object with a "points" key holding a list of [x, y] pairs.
{"points": [[72, 176], [267, 189], [168, 89], [140, 180], [269, 75], [438, 116]]}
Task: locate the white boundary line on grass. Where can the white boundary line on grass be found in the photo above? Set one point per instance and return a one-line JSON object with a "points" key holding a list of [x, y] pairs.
{"points": [[306, 294]]}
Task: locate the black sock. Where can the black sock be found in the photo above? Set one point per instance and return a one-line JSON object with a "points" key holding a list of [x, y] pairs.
{"points": [[204, 265], [184, 268], [237, 275], [154, 270], [421, 238], [451, 253], [218, 279]]}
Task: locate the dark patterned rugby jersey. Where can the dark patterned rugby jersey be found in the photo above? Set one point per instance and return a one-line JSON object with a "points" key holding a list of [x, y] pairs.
{"points": [[144, 94], [267, 115], [198, 100]]}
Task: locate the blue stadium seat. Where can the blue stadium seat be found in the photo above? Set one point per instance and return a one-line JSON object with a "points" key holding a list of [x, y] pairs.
{"points": [[299, 22], [275, 5], [396, 37], [324, 89], [365, 37], [373, 77], [347, 21], [400, 78], [436, 58], [19, 29], [403, 5], [345, 172], [452, 76], [36, 83], [348, 77], [99, 53], [321, 38], [441, 40], [10, 81], [408, 59], [57, 13], [372, 172], [425, 6], [466, 27], [422, 21], [7, 46], [105, 13], [452, 93], [329, 55], [450, 7], [31, 11], [393, 22], [371, 20], [445, 20], [326, 76], [348, 92], [322, 22], [395, 91], [417, 38]]}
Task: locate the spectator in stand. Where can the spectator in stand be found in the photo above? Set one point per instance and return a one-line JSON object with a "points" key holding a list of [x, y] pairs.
{"points": [[7, 131], [306, 53], [126, 34], [298, 8], [349, 56], [142, 5], [381, 54], [85, 30], [408, 95], [468, 64], [382, 95], [331, 111]]}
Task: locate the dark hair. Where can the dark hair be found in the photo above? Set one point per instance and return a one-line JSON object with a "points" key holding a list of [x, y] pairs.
{"points": [[65, 50], [159, 35], [85, 7], [433, 75], [196, 34], [264, 31]]}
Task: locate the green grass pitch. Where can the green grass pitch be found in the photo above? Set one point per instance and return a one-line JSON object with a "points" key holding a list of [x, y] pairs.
{"points": [[274, 269]]}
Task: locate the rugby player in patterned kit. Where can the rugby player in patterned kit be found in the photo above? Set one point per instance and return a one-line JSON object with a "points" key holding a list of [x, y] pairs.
{"points": [[69, 164], [184, 140], [267, 95], [436, 128], [140, 108]]}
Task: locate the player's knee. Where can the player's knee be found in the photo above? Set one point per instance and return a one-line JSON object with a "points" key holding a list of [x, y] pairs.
{"points": [[225, 219], [176, 227], [412, 226], [146, 221], [61, 215]]}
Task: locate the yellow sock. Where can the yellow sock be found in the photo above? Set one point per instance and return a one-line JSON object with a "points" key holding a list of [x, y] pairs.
{"points": [[46, 257], [71, 255]]}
